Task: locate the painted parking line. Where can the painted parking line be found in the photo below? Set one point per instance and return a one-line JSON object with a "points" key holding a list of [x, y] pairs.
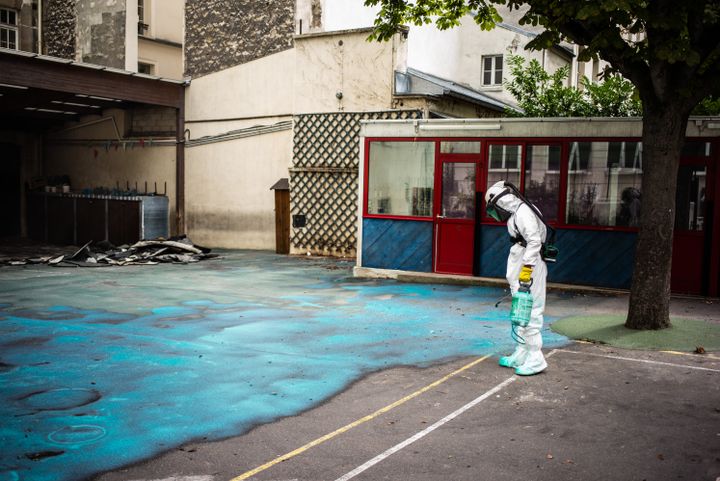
{"points": [[645, 361], [429, 429], [692, 354], [360, 421], [425, 431]]}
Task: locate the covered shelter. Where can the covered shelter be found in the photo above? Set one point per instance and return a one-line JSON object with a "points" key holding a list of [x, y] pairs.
{"points": [[73, 130], [422, 184]]}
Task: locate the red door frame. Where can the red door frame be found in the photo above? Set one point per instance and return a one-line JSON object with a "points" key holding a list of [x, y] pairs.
{"points": [[712, 187], [438, 220]]}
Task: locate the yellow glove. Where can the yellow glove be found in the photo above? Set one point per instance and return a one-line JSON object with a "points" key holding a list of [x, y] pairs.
{"points": [[525, 274]]}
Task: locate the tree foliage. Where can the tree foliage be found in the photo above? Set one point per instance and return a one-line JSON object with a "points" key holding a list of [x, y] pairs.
{"points": [[540, 94], [668, 49]]}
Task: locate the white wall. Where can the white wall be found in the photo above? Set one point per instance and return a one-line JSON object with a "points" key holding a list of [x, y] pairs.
{"points": [[453, 54], [258, 88], [344, 62], [228, 201]]}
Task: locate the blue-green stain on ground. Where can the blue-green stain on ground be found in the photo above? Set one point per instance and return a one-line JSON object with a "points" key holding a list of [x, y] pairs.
{"points": [[104, 367]]}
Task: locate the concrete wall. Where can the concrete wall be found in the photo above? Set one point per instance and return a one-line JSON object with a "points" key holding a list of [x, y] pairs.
{"points": [[165, 18], [161, 44], [225, 33], [428, 52], [101, 29], [453, 54], [166, 59], [228, 198], [328, 65]]}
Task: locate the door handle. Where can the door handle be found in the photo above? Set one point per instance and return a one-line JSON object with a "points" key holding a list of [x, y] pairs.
{"points": [[441, 217]]}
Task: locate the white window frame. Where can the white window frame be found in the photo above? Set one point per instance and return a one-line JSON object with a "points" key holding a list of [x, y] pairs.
{"points": [[505, 159], [10, 29], [493, 70]]}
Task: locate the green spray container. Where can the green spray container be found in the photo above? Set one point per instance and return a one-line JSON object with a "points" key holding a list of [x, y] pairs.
{"points": [[521, 307]]}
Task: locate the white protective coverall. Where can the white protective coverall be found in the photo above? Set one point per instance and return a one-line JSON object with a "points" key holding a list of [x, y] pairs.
{"points": [[527, 358]]}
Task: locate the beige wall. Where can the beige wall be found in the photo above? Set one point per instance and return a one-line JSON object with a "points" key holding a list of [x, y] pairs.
{"points": [[166, 59], [344, 62], [161, 45], [166, 19], [228, 198], [255, 89]]}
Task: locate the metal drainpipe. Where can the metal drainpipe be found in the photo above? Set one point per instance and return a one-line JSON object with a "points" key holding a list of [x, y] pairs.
{"points": [[180, 167], [39, 26]]}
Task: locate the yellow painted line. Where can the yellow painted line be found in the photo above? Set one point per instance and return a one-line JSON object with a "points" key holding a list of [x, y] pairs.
{"points": [[692, 354], [353, 424]]}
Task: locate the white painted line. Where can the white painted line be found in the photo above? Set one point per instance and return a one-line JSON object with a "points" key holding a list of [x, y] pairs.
{"points": [[424, 432], [646, 361], [181, 478]]}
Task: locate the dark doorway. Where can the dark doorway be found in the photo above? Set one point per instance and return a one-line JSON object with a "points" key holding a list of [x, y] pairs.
{"points": [[10, 165]]}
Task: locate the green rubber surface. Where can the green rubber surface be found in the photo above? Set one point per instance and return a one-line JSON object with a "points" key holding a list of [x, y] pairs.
{"points": [[684, 335]]}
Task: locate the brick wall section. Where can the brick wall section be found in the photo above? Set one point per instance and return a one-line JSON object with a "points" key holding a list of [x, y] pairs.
{"points": [[59, 22], [153, 122], [224, 33]]}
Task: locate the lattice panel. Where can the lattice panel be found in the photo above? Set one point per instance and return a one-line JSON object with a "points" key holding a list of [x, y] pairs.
{"points": [[329, 202], [324, 179]]}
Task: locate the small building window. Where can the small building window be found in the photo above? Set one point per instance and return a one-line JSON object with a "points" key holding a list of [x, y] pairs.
{"points": [[8, 29], [400, 178], [604, 183], [492, 70], [142, 26], [146, 68]]}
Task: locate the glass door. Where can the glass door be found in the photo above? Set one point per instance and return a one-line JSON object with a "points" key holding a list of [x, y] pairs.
{"points": [[455, 218], [689, 268]]}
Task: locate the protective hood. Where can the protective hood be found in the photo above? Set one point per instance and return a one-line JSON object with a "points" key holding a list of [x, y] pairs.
{"points": [[500, 202]]}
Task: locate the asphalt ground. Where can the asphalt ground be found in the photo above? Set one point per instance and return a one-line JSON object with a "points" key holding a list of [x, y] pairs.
{"points": [[167, 340], [597, 413]]}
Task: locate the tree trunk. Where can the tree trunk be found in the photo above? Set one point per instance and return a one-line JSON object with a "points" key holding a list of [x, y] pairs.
{"points": [[664, 129]]}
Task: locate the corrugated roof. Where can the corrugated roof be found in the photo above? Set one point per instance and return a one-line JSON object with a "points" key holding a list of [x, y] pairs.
{"points": [[415, 82]]}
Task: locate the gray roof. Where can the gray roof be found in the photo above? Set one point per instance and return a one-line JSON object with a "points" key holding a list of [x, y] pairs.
{"points": [[415, 82]]}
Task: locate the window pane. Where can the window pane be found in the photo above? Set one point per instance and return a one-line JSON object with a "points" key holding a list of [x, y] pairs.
{"points": [[458, 190], [603, 193], [487, 64], [13, 39], [3, 16], [498, 77], [487, 77], [694, 148], [690, 198], [504, 164], [401, 178], [542, 183], [460, 147], [499, 62]]}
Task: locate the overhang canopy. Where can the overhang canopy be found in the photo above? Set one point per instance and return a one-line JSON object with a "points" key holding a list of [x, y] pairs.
{"points": [[38, 91]]}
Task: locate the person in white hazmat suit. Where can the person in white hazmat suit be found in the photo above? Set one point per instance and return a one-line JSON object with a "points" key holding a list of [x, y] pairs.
{"points": [[525, 264]]}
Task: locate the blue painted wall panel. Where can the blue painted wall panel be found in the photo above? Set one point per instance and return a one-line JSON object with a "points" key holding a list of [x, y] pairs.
{"points": [[397, 244], [593, 258]]}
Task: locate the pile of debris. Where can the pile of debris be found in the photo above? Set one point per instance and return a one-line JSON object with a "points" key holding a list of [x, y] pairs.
{"points": [[178, 250]]}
